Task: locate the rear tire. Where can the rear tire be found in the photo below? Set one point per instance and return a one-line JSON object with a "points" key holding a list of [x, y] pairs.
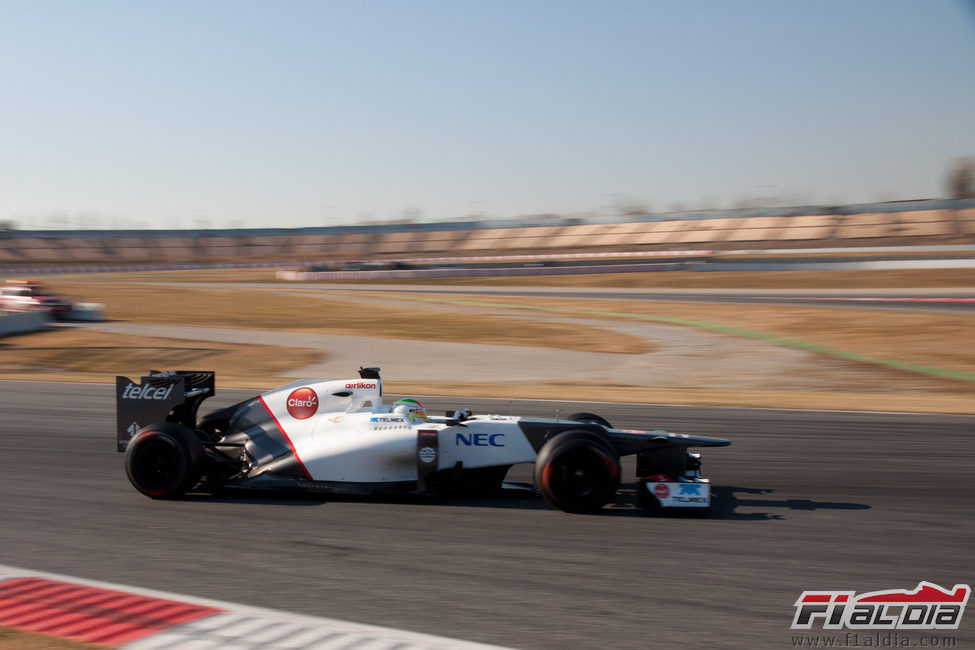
{"points": [[164, 460], [591, 417], [576, 471]]}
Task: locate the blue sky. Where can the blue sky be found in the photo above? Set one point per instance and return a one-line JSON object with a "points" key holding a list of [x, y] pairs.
{"points": [[296, 113]]}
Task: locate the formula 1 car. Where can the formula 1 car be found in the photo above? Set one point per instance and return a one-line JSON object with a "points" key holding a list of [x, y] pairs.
{"points": [[31, 295], [337, 436]]}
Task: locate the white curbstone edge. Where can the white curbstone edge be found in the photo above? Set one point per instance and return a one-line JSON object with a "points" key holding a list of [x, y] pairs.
{"points": [[241, 626]]}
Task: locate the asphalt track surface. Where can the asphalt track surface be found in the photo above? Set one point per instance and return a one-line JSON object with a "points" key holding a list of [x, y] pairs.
{"points": [[804, 500]]}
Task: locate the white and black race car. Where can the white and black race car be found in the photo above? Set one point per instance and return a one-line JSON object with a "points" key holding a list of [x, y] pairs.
{"points": [[337, 436]]}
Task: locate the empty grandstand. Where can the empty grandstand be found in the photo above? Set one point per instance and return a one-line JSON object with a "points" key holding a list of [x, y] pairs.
{"points": [[916, 223]]}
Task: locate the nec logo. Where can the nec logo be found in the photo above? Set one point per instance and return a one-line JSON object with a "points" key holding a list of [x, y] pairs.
{"points": [[480, 439]]}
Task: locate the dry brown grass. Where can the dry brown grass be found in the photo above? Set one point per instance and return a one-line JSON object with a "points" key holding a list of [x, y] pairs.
{"points": [[942, 401], [195, 275], [924, 338], [872, 279], [95, 357], [252, 308], [11, 639], [867, 279], [81, 355], [929, 339]]}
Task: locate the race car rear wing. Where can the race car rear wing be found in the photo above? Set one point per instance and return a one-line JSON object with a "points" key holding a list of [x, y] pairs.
{"points": [[172, 396]]}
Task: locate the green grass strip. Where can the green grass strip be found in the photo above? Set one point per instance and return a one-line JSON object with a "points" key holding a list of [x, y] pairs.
{"points": [[722, 329]]}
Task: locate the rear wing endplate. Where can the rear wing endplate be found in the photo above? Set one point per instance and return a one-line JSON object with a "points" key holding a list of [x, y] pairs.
{"points": [[172, 396]]}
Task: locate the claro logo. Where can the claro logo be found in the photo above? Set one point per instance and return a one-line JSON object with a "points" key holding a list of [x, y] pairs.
{"points": [[302, 403]]}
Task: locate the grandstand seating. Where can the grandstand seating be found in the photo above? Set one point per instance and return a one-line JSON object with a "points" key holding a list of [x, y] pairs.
{"points": [[808, 228], [966, 222], [719, 232]]}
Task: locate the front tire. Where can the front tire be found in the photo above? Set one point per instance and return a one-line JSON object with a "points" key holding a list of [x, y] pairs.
{"points": [[577, 472], [164, 460]]}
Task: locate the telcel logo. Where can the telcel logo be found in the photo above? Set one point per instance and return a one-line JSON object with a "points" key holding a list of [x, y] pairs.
{"points": [[147, 392], [480, 439], [302, 403]]}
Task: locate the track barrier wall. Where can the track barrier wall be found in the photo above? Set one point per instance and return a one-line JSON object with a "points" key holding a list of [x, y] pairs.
{"points": [[21, 322]]}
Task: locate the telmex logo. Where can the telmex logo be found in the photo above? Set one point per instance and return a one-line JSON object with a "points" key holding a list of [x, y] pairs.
{"points": [[147, 392], [360, 384], [302, 403], [380, 419], [929, 607]]}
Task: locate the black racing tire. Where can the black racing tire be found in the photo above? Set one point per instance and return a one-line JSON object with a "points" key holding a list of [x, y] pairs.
{"points": [[164, 460], [591, 417], [576, 471]]}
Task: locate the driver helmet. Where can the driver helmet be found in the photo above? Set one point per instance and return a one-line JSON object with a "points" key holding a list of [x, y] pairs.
{"points": [[412, 408]]}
